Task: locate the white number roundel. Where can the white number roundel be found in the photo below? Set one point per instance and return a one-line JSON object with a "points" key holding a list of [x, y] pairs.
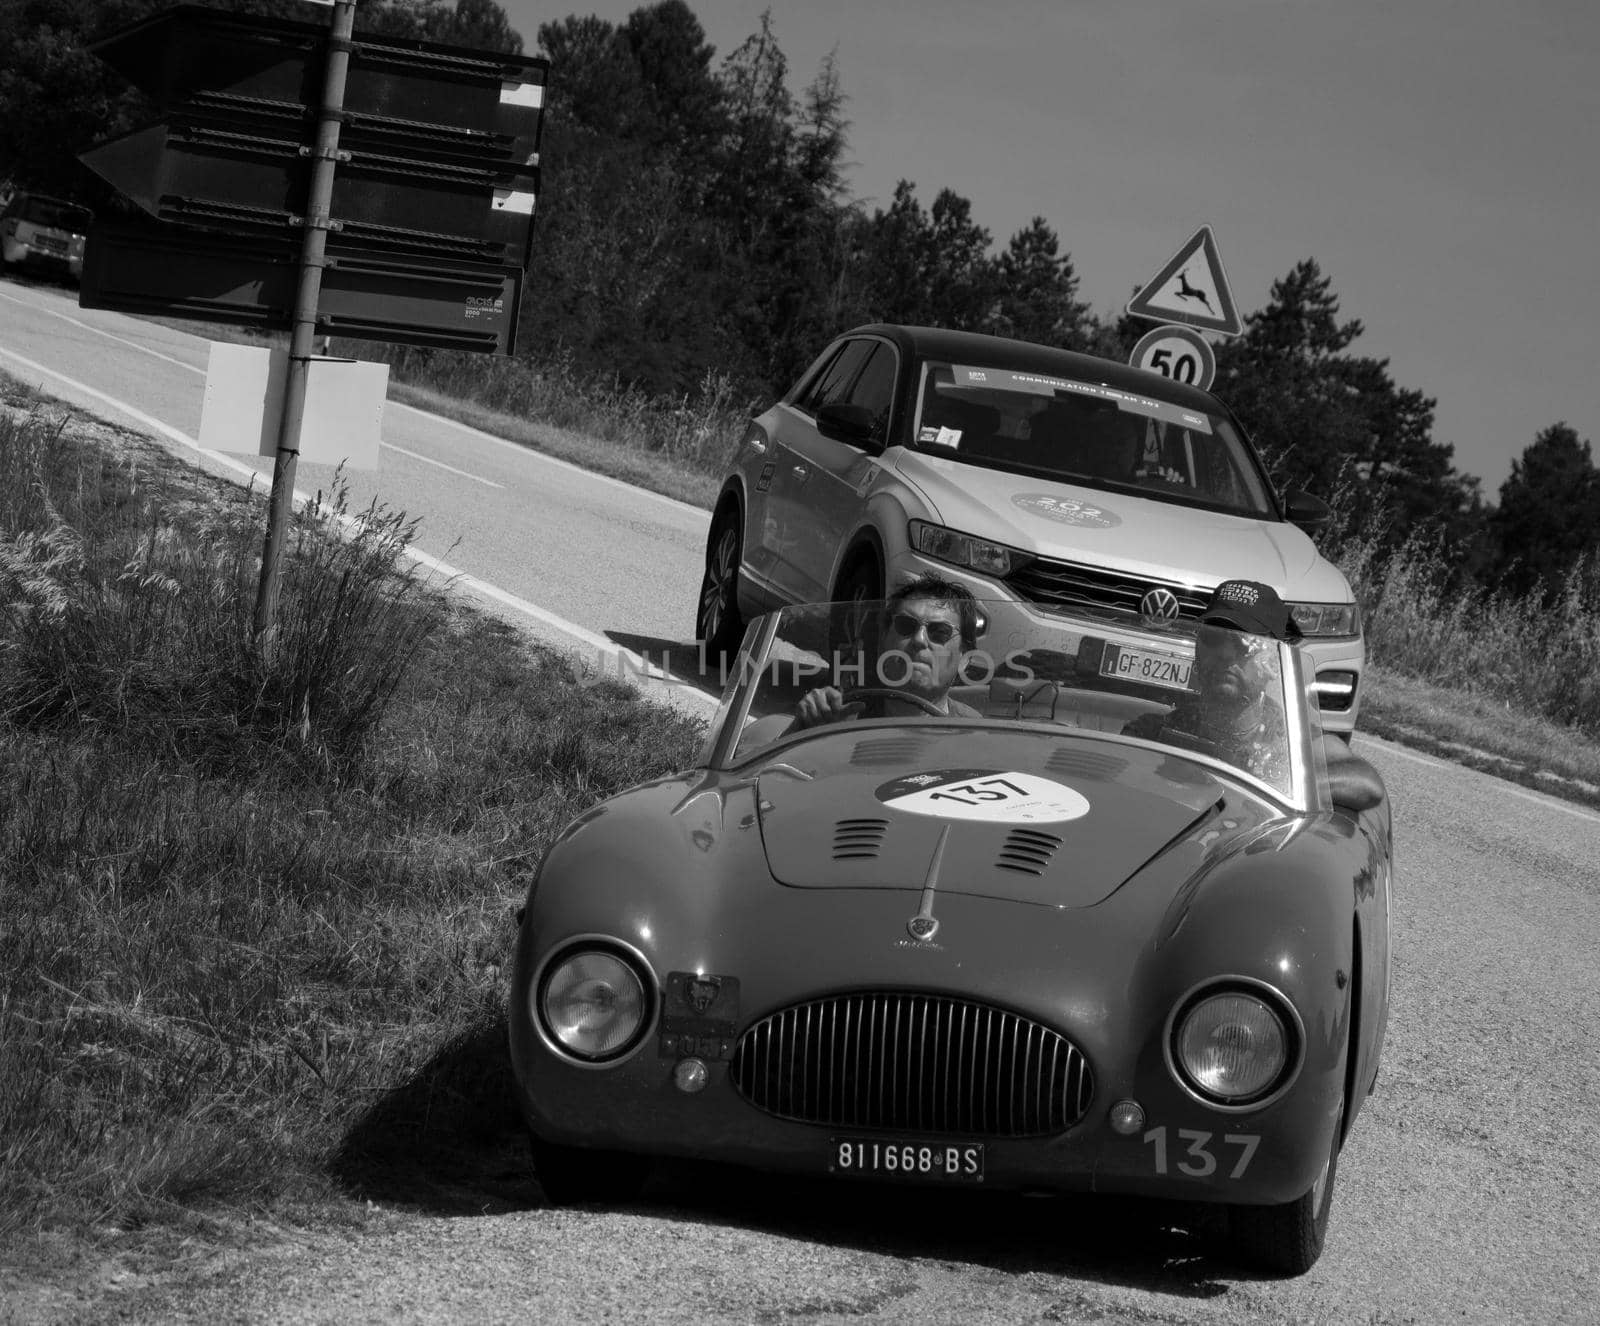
{"points": [[1179, 353]]}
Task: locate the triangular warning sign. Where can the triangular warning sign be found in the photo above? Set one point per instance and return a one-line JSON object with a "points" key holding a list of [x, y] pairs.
{"points": [[1191, 289]]}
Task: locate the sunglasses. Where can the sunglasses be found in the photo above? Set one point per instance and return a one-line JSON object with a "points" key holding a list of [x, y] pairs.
{"points": [[939, 633]]}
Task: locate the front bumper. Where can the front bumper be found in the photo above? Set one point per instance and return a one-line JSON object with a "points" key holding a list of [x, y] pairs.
{"points": [[1338, 662]]}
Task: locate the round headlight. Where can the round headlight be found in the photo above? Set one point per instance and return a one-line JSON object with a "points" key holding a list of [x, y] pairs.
{"points": [[593, 1003], [1232, 1046]]}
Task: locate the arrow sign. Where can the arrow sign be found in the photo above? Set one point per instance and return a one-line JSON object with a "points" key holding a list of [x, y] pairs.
{"points": [[492, 101], [1192, 289], [246, 178], [183, 272]]}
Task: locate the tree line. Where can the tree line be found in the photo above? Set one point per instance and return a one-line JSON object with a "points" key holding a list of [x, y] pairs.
{"points": [[694, 218]]}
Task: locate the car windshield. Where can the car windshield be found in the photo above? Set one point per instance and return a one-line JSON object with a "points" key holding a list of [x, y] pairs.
{"points": [[1087, 434], [1220, 697], [55, 214]]}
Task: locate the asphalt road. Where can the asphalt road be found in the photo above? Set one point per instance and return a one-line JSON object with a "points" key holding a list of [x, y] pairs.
{"points": [[1468, 1192]]}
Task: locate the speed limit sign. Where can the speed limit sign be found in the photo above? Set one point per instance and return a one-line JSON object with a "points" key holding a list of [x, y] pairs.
{"points": [[1179, 353]]}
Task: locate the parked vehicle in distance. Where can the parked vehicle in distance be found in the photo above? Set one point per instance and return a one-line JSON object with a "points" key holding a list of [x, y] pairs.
{"points": [[1032, 475], [1015, 945], [44, 234]]}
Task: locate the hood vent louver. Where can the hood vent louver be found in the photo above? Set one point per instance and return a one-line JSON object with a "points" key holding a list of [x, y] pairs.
{"points": [[1087, 764], [857, 840], [887, 750], [1027, 851]]}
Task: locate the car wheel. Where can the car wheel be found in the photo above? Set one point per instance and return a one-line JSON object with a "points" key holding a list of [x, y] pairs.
{"points": [[861, 583], [1288, 1239], [572, 1176], [717, 621]]}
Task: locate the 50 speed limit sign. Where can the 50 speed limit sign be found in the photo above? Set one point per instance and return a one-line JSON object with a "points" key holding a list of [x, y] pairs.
{"points": [[1179, 353]]}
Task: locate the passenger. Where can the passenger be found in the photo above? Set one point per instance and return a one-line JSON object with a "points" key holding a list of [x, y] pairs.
{"points": [[926, 628], [1228, 708]]}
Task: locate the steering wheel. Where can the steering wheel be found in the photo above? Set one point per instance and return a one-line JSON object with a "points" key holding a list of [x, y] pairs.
{"points": [[892, 693]]}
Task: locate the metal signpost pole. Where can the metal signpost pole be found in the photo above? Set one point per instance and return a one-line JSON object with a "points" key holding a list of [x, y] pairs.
{"points": [[324, 154]]}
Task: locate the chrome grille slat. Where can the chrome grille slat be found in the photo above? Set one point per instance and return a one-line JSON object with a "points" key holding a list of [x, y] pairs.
{"points": [[913, 1063], [1045, 580]]}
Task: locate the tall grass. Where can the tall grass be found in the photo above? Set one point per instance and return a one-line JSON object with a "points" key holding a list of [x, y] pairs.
{"points": [[698, 429], [249, 903], [1422, 621]]}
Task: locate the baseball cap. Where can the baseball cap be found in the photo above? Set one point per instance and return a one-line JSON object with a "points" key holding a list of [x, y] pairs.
{"points": [[1248, 605]]}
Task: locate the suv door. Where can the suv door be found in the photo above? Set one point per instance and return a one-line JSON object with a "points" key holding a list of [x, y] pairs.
{"points": [[824, 479]]}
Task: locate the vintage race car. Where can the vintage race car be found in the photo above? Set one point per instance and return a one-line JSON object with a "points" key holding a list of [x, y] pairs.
{"points": [[1045, 941]]}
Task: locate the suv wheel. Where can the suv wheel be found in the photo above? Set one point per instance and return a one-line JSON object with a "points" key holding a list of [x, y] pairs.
{"points": [[717, 621]]}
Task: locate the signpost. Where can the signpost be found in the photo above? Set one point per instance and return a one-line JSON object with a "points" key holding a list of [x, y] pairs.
{"points": [[1191, 294], [317, 180]]}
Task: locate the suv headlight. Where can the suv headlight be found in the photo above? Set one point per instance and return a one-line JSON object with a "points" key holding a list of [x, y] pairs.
{"points": [[948, 545], [1326, 619], [593, 1003]]}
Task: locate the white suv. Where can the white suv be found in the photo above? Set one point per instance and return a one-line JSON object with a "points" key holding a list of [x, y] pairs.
{"points": [[1029, 474]]}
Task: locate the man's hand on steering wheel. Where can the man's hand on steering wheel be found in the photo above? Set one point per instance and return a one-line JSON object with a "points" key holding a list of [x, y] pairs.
{"points": [[864, 694]]}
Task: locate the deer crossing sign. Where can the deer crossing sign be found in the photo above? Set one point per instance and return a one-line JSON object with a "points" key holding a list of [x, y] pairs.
{"points": [[1191, 290]]}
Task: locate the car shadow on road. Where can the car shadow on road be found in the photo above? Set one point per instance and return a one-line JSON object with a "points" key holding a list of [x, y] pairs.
{"points": [[683, 660], [448, 1142]]}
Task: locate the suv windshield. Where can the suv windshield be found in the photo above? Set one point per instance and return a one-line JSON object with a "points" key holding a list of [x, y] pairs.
{"points": [[53, 213], [1214, 694], [1087, 434]]}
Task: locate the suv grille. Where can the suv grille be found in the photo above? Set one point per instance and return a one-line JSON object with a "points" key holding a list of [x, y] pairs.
{"points": [[1067, 583], [913, 1064]]}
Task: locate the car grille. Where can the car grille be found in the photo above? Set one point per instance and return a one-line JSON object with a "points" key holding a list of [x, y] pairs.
{"points": [[913, 1063], [1069, 584]]}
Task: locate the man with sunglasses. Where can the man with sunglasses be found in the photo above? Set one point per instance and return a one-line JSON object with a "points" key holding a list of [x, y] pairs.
{"points": [[1229, 709], [926, 628]]}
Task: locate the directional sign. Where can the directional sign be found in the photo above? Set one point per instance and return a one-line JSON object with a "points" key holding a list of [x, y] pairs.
{"points": [[1179, 353], [255, 179], [181, 272], [1191, 289], [191, 55]]}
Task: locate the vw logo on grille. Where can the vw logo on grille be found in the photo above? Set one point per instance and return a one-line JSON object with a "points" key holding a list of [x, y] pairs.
{"points": [[1158, 608], [923, 928]]}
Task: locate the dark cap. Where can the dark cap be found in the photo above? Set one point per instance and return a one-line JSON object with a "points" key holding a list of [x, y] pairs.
{"points": [[1248, 605]]}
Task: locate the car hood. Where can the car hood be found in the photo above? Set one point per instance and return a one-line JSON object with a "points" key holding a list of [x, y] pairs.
{"points": [[1120, 531], [1028, 817]]}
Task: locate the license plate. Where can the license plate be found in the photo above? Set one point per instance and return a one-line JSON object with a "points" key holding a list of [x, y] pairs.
{"points": [[1146, 666], [925, 1162]]}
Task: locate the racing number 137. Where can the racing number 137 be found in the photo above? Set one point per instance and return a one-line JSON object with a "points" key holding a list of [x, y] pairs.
{"points": [[985, 789], [1197, 1161]]}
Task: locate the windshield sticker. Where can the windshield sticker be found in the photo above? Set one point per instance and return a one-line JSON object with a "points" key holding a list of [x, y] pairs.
{"points": [[990, 796], [1067, 510], [1040, 384]]}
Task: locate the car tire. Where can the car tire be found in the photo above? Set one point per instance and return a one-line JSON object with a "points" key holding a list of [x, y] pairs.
{"points": [[575, 1176], [717, 624], [1287, 1239], [861, 582]]}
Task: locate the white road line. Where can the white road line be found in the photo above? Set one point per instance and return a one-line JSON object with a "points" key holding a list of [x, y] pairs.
{"points": [[633, 489], [626, 658], [400, 405], [428, 460], [1507, 787]]}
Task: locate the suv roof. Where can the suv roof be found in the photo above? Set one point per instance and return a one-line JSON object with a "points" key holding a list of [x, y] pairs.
{"points": [[976, 348]]}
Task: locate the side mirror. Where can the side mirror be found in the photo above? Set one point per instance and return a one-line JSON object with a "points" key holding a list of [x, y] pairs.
{"points": [[1353, 784], [843, 422], [1309, 513]]}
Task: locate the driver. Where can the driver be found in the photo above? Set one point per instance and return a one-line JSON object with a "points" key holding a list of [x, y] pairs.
{"points": [[1229, 707], [927, 625]]}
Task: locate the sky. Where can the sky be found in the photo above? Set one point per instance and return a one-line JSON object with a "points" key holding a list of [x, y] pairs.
{"points": [[1438, 159]]}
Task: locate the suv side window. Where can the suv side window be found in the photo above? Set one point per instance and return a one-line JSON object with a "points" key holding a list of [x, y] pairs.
{"points": [[834, 381], [874, 388]]}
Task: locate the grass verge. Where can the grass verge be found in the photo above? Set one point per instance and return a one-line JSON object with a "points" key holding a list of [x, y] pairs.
{"points": [[256, 904]]}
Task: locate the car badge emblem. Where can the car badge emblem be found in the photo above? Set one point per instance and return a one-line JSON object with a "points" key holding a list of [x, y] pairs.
{"points": [[703, 993], [922, 928], [1159, 608]]}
